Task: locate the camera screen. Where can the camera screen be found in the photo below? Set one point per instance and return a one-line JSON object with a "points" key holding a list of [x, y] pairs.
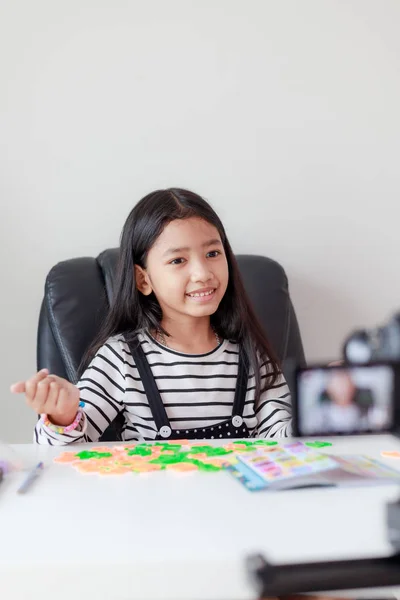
{"points": [[345, 400]]}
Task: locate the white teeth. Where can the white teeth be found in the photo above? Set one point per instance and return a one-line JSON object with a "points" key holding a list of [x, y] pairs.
{"points": [[201, 294]]}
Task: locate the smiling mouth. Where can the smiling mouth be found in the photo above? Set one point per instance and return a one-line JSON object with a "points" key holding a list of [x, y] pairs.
{"points": [[202, 294]]}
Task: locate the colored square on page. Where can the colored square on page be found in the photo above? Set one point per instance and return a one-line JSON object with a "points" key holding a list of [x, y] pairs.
{"points": [[250, 480], [301, 470], [272, 476]]}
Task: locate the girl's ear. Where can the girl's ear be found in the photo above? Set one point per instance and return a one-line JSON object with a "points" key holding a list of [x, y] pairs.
{"points": [[142, 281]]}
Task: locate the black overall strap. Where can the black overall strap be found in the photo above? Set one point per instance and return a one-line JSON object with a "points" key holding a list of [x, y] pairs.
{"points": [[241, 384], [150, 387]]}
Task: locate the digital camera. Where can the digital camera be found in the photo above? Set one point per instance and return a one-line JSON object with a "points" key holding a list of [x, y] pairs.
{"points": [[356, 397]]}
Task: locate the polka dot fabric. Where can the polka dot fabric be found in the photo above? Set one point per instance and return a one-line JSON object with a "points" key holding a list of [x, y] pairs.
{"points": [[224, 430]]}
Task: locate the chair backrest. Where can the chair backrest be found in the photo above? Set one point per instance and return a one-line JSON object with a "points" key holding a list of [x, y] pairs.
{"points": [[78, 292]]}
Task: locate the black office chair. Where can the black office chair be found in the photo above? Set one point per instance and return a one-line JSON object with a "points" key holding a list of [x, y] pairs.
{"points": [[78, 293]]}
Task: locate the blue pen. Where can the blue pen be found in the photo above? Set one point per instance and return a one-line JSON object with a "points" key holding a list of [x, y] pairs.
{"points": [[30, 479]]}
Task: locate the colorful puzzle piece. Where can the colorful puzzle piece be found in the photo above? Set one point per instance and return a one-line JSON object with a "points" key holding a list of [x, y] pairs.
{"points": [[390, 454], [317, 444]]}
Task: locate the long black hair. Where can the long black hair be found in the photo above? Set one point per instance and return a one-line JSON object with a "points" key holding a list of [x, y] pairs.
{"points": [[131, 312]]}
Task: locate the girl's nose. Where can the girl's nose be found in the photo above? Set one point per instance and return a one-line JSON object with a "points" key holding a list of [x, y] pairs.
{"points": [[200, 271]]}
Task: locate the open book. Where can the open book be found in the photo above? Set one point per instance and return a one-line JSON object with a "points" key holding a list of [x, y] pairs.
{"points": [[295, 466]]}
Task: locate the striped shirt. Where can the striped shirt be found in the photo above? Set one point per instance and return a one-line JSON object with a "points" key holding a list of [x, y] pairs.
{"points": [[197, 391]]}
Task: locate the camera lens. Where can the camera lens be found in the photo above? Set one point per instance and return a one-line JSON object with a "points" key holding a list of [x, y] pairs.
{"points": [[357, 348]]}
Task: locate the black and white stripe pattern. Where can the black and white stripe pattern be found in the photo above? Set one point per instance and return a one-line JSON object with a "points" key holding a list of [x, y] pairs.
{"points": [[197, 391]]}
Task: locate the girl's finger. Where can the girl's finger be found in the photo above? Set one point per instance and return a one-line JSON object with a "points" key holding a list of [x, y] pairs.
{"points": [[50, 406], [20, 386], [40, 398], [63, 383], [42, 393], [31, 385]]}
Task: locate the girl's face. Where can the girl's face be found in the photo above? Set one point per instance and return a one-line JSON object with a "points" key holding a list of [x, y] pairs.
{"points": [[341, 388], [186, 269]]}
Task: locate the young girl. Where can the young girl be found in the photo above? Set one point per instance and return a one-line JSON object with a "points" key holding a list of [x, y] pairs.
{"points": [[181, 353]]}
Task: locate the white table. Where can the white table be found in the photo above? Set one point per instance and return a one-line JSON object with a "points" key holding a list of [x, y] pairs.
{"points": [[174, 536]]}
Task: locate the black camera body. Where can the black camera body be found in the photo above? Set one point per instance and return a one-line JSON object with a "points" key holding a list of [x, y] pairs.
{"points": [[359, 396], [379, 344], [371, 345]]}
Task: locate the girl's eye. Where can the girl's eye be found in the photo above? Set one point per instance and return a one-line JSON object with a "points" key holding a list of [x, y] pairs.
{"points": [[213, 253], [177, 261]]}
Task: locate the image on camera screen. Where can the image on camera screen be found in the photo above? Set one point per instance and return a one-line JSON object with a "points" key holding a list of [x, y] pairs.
{"points": [[345, 400]]}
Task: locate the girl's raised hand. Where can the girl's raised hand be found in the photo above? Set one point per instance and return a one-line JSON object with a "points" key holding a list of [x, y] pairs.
{"points": [[51, 395]]}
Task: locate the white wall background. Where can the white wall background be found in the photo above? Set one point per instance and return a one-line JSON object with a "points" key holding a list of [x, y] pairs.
{"points": [[284, 114]]}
